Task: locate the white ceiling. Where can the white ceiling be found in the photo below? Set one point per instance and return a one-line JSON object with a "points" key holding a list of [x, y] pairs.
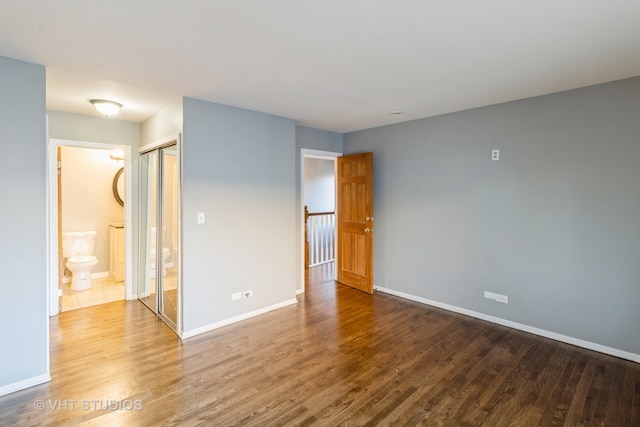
{"points": [[339, 65]]}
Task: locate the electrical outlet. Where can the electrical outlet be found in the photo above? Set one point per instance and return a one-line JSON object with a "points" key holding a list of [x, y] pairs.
{"points": [[496, 297], [200, 217], [502, 298], [236, 296], [495, 154], [248, 294]]}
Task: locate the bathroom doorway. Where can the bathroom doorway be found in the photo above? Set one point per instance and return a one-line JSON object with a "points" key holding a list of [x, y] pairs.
{"points": [[82, 189], [159, 285]]}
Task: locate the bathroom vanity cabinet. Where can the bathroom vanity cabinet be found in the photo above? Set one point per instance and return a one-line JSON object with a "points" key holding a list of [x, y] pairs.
{"points": [[116, 251]]}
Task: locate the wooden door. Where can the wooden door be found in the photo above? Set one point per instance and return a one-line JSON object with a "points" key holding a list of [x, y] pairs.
{"points": [[355, 221]]}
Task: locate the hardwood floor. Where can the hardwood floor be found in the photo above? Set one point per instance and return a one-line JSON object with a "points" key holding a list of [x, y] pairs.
{"points": [[340, 357], [169, 295]]}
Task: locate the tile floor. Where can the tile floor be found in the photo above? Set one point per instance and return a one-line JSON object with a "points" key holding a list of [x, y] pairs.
{"points": [[104, 290]]}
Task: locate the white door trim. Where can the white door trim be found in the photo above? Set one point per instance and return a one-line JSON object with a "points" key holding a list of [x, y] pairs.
{"points": [[314, 154], [52, 214]]}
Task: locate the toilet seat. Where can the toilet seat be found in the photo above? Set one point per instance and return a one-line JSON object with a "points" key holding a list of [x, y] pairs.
{"points": [[82, 259]]}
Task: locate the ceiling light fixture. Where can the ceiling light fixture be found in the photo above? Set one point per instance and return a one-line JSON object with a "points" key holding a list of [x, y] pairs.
{"points": [[108, 108]]}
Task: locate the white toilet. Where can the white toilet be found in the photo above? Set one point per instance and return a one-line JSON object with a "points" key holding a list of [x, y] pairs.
{"points": [[78, 247]]}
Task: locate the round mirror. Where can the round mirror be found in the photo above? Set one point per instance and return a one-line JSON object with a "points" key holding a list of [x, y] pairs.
{"points": [[118, 186]]}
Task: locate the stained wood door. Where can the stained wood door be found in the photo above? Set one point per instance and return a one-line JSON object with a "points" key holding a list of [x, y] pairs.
{"points": [[355, 221]]}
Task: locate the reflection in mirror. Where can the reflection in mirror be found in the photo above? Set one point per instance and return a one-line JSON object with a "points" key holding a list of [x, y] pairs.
{"points": [[118, 186]]}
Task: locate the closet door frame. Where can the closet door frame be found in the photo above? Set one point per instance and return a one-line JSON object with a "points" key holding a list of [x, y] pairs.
{"points": [[144, 229]]}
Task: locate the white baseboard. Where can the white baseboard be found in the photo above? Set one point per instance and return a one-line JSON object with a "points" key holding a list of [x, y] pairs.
{"points": [[98, 275], [526, 328], [21, 385], [220, 324], [299, 291]]}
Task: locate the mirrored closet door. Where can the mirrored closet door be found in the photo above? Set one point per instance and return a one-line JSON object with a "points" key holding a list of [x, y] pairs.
{"points": [[159, 284]]}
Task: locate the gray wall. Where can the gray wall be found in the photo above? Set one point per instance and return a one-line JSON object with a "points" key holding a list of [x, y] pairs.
{"points": [[239, 169], [317, 139], [23, 302], [554, 224], [311, 139], [163, 124], [105, 130]]}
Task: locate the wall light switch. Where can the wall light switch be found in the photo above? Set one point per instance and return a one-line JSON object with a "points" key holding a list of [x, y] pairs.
{"points": [[495, 154], [200, 217]]}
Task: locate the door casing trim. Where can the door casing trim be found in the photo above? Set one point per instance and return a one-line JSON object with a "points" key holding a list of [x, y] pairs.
{"points": [[52, 217], [313, 154]]}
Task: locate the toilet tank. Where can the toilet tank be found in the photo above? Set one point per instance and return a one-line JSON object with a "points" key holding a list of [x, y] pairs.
{"points": [[78, 243]]}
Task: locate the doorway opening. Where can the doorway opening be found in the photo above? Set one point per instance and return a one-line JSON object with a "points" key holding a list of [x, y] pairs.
{"points": [[318, 184], [78, 203]]}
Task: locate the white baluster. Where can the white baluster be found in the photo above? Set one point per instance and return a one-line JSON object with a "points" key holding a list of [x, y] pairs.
{"points": [[332, 233], [322, 241], [317, 240], [310, 238]]}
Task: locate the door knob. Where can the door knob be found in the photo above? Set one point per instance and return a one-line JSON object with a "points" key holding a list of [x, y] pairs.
{"points": [[368, 230]]}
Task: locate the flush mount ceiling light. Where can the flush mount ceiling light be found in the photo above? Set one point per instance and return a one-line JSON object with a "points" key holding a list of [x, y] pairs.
{"points": [[108, 108]]}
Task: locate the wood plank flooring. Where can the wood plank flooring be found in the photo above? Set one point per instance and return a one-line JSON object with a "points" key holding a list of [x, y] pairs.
{"points": [[340, 357]]}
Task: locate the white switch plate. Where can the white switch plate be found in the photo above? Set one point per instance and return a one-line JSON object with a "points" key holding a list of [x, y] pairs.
{"points": [[200, 217], [495, 154], [496, 297]]}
